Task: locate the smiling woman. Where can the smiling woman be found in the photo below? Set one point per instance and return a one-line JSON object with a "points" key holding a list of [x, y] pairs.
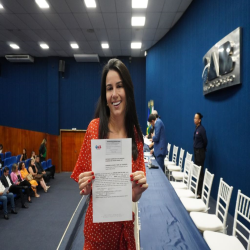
{"points": [[115, 118]]}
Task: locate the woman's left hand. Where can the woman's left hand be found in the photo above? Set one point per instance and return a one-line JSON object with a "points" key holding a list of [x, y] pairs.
{"points": [[139, 184]]}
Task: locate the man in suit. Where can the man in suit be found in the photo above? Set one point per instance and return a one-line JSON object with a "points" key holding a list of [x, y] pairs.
{"points": [[159, 140], [6, 196], [7, 182]]}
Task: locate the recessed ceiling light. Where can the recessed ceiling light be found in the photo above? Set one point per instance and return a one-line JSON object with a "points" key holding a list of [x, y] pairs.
{"points": [[135, 45], [90, 3], [145, 53], [1, 6], [105, 45], [44, 46], [14, 46], [138, 21], [139, 4], [74, 45], [42, 4]]}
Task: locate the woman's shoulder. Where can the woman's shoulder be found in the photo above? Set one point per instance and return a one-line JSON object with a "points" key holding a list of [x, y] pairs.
{"points": [[93, 125]]}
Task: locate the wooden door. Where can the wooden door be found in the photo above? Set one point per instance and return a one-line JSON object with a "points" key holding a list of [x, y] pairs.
{"points": [[71, 142]]}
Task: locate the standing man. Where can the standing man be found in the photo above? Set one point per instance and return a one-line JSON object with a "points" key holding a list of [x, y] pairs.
{"points": [[200, 147], [159, 140]]}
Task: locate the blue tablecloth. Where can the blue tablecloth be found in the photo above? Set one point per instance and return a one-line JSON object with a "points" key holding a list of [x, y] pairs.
{"points": [[165, 224]]}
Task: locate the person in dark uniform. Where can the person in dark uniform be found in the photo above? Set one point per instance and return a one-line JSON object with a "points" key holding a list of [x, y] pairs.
{"points": [[200, 147]]}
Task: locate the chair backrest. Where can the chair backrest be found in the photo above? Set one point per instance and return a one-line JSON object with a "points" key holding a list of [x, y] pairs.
{"points": [[44, 164], [189, 156], [27, 163], [242, 208], [18, 157], [174, 156], [13, 160], [181, 158], [7, 154], [7, 161], [2, 156], [187, 171], [168, 148], [10, 168], [207, 186], [49, 163], [223, 200], [194, 179]]}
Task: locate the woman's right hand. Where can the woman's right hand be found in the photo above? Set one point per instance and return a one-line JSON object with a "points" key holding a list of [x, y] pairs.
{"points": [[85, 182]]}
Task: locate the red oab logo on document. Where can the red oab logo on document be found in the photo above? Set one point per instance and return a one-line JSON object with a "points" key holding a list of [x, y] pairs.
{"points": [[98, 147]]}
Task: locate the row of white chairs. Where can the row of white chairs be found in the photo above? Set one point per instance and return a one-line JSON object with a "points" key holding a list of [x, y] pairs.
{"points": [[213, 226], [171, 168]]}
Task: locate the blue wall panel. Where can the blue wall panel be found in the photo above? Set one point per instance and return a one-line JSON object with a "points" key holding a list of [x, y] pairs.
{"points": [[173, 80], [36, 97], [24, 95]]}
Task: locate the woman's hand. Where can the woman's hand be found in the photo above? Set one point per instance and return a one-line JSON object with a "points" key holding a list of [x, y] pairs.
{"points": [[139, 184], [85, 181]]}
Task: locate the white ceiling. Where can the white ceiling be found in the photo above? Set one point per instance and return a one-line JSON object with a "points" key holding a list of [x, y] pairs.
{"points": [[24, 23]]}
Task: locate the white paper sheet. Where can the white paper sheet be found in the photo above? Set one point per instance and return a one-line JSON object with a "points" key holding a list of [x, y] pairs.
{"points": [[112, 188], [147, 141]]}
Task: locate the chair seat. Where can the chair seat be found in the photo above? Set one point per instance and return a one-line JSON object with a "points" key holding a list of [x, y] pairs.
{"points": [[220, 241], [178, 175], [173, 168], [178, 185], [204, 221], [193, 205], [185, 193], [166, 163]]}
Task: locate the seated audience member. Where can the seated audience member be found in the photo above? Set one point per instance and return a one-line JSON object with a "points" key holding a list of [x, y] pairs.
{"points": [[24, 155], [13, 188], [17, 179], [1, 148], [24, 173], [1, 162], [37, 177], [46, 173], [4, 198], [33, 155]]}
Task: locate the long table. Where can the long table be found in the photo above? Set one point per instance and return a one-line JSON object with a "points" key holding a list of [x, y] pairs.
{"points": [[165, 223]]}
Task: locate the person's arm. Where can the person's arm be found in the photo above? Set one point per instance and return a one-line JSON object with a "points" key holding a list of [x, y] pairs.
{"points": [[31, 171], [204, 138], [156, 137], [21, 158]]}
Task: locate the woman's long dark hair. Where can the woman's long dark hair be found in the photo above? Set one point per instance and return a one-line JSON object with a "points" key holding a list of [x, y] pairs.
{"points": [[103, 112]]}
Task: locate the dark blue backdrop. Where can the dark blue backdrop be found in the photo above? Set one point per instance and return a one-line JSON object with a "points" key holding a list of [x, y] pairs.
{"points": [[173, 75], [36, 97]]}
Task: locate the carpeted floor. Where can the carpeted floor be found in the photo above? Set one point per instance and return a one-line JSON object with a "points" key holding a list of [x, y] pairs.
{"points": [[42, 225]]}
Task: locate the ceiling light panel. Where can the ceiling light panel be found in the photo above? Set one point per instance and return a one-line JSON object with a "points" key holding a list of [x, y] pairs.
{"points": [[138, 21], [42, 4], [139, 4], [14, 46], [44, 46], [135, 45], [90, 3]]}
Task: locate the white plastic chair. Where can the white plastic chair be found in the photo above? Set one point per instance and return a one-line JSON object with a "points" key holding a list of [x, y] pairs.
{"points": [[167, 156], [184, 184], [193, 186], [200, 205], [172, 167], [174, 158], [219, 241], [212, 222], [177, 175]]}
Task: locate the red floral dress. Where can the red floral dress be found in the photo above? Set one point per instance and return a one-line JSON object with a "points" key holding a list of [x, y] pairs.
{"points": [[108, 235]]}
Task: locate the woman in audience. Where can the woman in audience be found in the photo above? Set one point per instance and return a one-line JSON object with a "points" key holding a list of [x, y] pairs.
{"points": [[24, 173], [24, 155], [18, 180], [43, 150], [38, 177], [33, 155]]}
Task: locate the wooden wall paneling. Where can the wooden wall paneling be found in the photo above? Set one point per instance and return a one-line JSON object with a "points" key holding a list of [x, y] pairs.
{"points": [[14, 140]]}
